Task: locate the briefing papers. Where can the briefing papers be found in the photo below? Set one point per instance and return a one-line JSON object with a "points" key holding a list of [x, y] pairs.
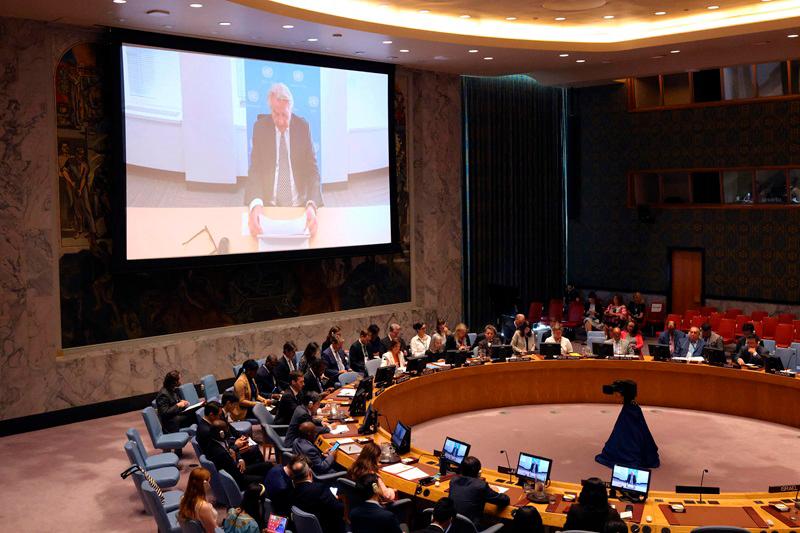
{"points": [[410, 473]]}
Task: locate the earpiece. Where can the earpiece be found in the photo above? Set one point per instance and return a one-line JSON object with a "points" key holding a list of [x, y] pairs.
{"points": [[375, 489]]}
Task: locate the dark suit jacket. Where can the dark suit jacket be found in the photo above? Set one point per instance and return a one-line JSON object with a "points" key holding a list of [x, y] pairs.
{"points": [[299, 416], [664, 338], [682, 347], [451, 344], [279, 490], [358, 355], [587, 520], [286, 407], [267, 381], [317, 499], [368, 517], [432, 528], [375, 348], [261, 176], [206, 433], [319, 464], [757, 359], [470, 494], [312, 383], [168, 410], [282, 373], [332, 371]]}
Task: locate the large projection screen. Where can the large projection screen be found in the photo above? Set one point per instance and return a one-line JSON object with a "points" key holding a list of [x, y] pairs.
{"points": [[234, 153]]}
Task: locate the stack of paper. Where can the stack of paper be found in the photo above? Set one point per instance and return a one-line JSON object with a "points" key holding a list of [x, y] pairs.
{"points": [[347, 393], [410, 473], [338, 430]]}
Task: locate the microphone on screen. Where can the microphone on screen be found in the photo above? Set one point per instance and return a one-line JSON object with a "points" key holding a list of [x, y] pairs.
{"points": [[510, 479], [702, 478]]}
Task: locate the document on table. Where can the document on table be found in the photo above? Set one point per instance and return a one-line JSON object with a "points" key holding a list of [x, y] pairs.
{"points": [[396, 468], [347, 393], [346, 440], [351, 449], [501, 490], [412, 474], [339, 430]]}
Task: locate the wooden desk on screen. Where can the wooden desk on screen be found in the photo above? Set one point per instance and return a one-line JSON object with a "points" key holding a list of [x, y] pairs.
{"points": [[158, 232], [719, 390]]}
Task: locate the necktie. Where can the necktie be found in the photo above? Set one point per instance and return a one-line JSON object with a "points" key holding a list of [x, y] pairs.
{"points": [[284, 193], [290, 363]]}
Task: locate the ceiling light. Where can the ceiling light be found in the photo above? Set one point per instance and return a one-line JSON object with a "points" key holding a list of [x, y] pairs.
{"points": [[312, 39], [120, 1], [196, 6], [561, 18], [563, 55], [424, 11], [287, 26], [489, 58], [224, 23], [659, 13], [386, 42], [511, 18], [473, 51], [792, 36], [464, 16], [674, 51], [404, 51], [608, 17], [713, 7]]}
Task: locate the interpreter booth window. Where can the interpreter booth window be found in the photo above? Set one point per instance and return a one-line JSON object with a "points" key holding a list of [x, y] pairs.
{"points": [[795, 76], [737, 186], [705, 187], [739, 82], [771, 186], [794, 186], [646, 188], [677, 90], [772, 78], [675, 187], [647, 91]]}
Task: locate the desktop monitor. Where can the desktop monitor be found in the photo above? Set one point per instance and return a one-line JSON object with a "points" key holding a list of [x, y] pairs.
{"points": [[714, 357], [358, 405], [602, 350], [773, 365], [456, 358], [401, 438], [550, 350], [532, 467], [500, 352], [384, 376], [454, 451], [660, 352], [415, 365], [628, 479]]}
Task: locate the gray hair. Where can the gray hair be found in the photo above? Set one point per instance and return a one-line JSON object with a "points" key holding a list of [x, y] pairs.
{"points": [[394, 327], [280, 91]]}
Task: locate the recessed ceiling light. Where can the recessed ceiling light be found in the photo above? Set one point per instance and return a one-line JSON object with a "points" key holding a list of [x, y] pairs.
{"points": [[563, 55], [120, 1], [659, 13], [196, 6], [312, 39], [424, 11], [580, 61], [287, 26], [386, 42], [713, 7], [488, 58], [792, 36], [511, 18], [473, 51], [465, 16], [608, 17], [224, 23], [561, 18], [404, 51], [674, 51]]}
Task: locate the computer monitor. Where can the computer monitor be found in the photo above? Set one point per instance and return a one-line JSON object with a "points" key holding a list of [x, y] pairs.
{"points": [[602, 350], [415, 365], [773, 364], [628, 479], [500, 352], [384, 376], [660, 352], [550, 350], [713, 356], [358, 405], [533, 468], [456, 358], [401, 438], [454, 451]]}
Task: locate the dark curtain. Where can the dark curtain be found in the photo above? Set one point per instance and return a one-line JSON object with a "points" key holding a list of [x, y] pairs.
{"points": [[514, 227]]}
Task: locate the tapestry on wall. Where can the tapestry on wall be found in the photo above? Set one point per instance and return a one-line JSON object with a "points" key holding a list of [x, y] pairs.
{"points": [[99, 305]]}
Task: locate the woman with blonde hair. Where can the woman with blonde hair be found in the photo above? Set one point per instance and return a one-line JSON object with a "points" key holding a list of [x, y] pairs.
{"points": [[194, 505], [367, 463]]}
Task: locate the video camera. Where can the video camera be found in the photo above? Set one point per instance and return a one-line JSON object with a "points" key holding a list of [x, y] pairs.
{"points": [[625, 387]]}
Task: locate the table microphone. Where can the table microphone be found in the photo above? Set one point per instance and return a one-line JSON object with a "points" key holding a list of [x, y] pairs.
{"points": [[702, 478], [510, 479]]}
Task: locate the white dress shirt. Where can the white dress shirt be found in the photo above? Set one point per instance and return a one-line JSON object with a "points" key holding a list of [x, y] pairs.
{"points": [[419, 346], [566, 345], [387, 359], [295, 198]]}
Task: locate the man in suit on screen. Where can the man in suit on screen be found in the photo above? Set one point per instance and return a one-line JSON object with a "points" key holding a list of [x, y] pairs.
{"points": [[283, 166]]}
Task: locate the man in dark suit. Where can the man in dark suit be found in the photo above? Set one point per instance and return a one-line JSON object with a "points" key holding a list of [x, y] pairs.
{"points": [[392, 334], [692, 345], [304, 413], [375, 346], [315, 377], [367, 515], [315, 498], [751, 353], [225, 456], [335, 359], [283, 166], [290, 398], [444, 512], [170, 406], [286, 364], [470, 492], [304, 445], [671, 337], [266, 378], [359, 353]]}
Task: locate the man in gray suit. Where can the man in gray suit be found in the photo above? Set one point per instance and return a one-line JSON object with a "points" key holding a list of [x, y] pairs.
{"points": [[304, 445], [621, 346]]}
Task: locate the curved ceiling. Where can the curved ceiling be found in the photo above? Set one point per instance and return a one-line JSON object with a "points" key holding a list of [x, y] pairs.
{"points": [[600, 25]]}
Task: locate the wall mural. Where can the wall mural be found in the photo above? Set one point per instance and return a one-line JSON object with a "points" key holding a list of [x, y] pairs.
{"points": [[98, 305]]}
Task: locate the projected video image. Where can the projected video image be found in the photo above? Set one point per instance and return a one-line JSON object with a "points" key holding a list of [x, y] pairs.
{"points": [[630, 479], [235, 155], [454, 451], [534, 468]]}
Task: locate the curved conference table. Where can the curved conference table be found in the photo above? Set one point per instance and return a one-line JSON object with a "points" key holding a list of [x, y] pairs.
{"points": [[751, 394]]}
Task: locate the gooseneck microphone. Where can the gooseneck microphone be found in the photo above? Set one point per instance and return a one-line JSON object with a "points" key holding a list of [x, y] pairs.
{"points": [[510, 479], [702, 478]]}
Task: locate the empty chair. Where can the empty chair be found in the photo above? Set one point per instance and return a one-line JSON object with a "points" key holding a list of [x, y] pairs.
{"points": [[769, 344], [727, 330], [707, 310], [741, 320], [196, 447], [786, 318], [770, 325], [172, 498], [733, 312], [465, 525], [714, 319], [348, 377], [167, 522], [217, 488], [161, 440], [165, 477], [372, 366], [690, 313], [783, 335], [189, 393], [232, 493], [759, 315], [796, 330], [759, 327], [698, 320], [151, 461], [654, 317], [787, 357], [276, 441], [535, 312], [305, 522], [210, 388], [555, 311], [574, 315]]}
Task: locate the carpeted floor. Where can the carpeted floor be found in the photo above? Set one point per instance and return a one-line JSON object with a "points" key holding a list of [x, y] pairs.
{"points": [[741, 454]]}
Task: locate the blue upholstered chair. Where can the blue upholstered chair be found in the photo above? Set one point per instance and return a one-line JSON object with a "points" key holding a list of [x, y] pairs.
{"points": [[189, 393], [196, 447], [464, 524], [165, 477], [472, 337], [769, 345], [161, 440], [305, 522], [276, 441], [172, 498], [216, 484], [194, 526], [787, 356], [167, 522], [232, 493], [236, 369], [348, 377], [210, 388], [151, 461]]}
